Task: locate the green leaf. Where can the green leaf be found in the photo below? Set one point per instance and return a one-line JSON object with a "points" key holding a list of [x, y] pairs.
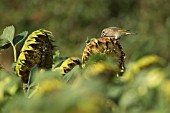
{"points": [[57, 60], [8, 33], [74, 72], [88, 40], [4, 45], [41, 75], [17, 39], [7, 37], [14, 66]]}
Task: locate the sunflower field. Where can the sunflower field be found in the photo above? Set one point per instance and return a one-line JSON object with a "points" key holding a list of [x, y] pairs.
{"points": [[74, 56]]}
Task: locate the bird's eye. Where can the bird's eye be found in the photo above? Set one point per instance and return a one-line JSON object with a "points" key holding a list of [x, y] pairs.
{"points": [[103, 33]]}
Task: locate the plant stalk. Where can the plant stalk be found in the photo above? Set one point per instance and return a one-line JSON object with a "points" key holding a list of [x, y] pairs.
{"points": [[15, 52]]}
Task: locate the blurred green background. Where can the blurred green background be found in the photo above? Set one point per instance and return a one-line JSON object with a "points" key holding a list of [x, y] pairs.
{"points": [[144, 87], [72, 21]]}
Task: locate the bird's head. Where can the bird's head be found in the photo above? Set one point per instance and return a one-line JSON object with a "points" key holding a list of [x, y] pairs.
{"points": [[115, 32]]}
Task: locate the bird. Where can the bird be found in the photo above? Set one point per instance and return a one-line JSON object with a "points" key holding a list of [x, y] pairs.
{"points": [[115, 32]]}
